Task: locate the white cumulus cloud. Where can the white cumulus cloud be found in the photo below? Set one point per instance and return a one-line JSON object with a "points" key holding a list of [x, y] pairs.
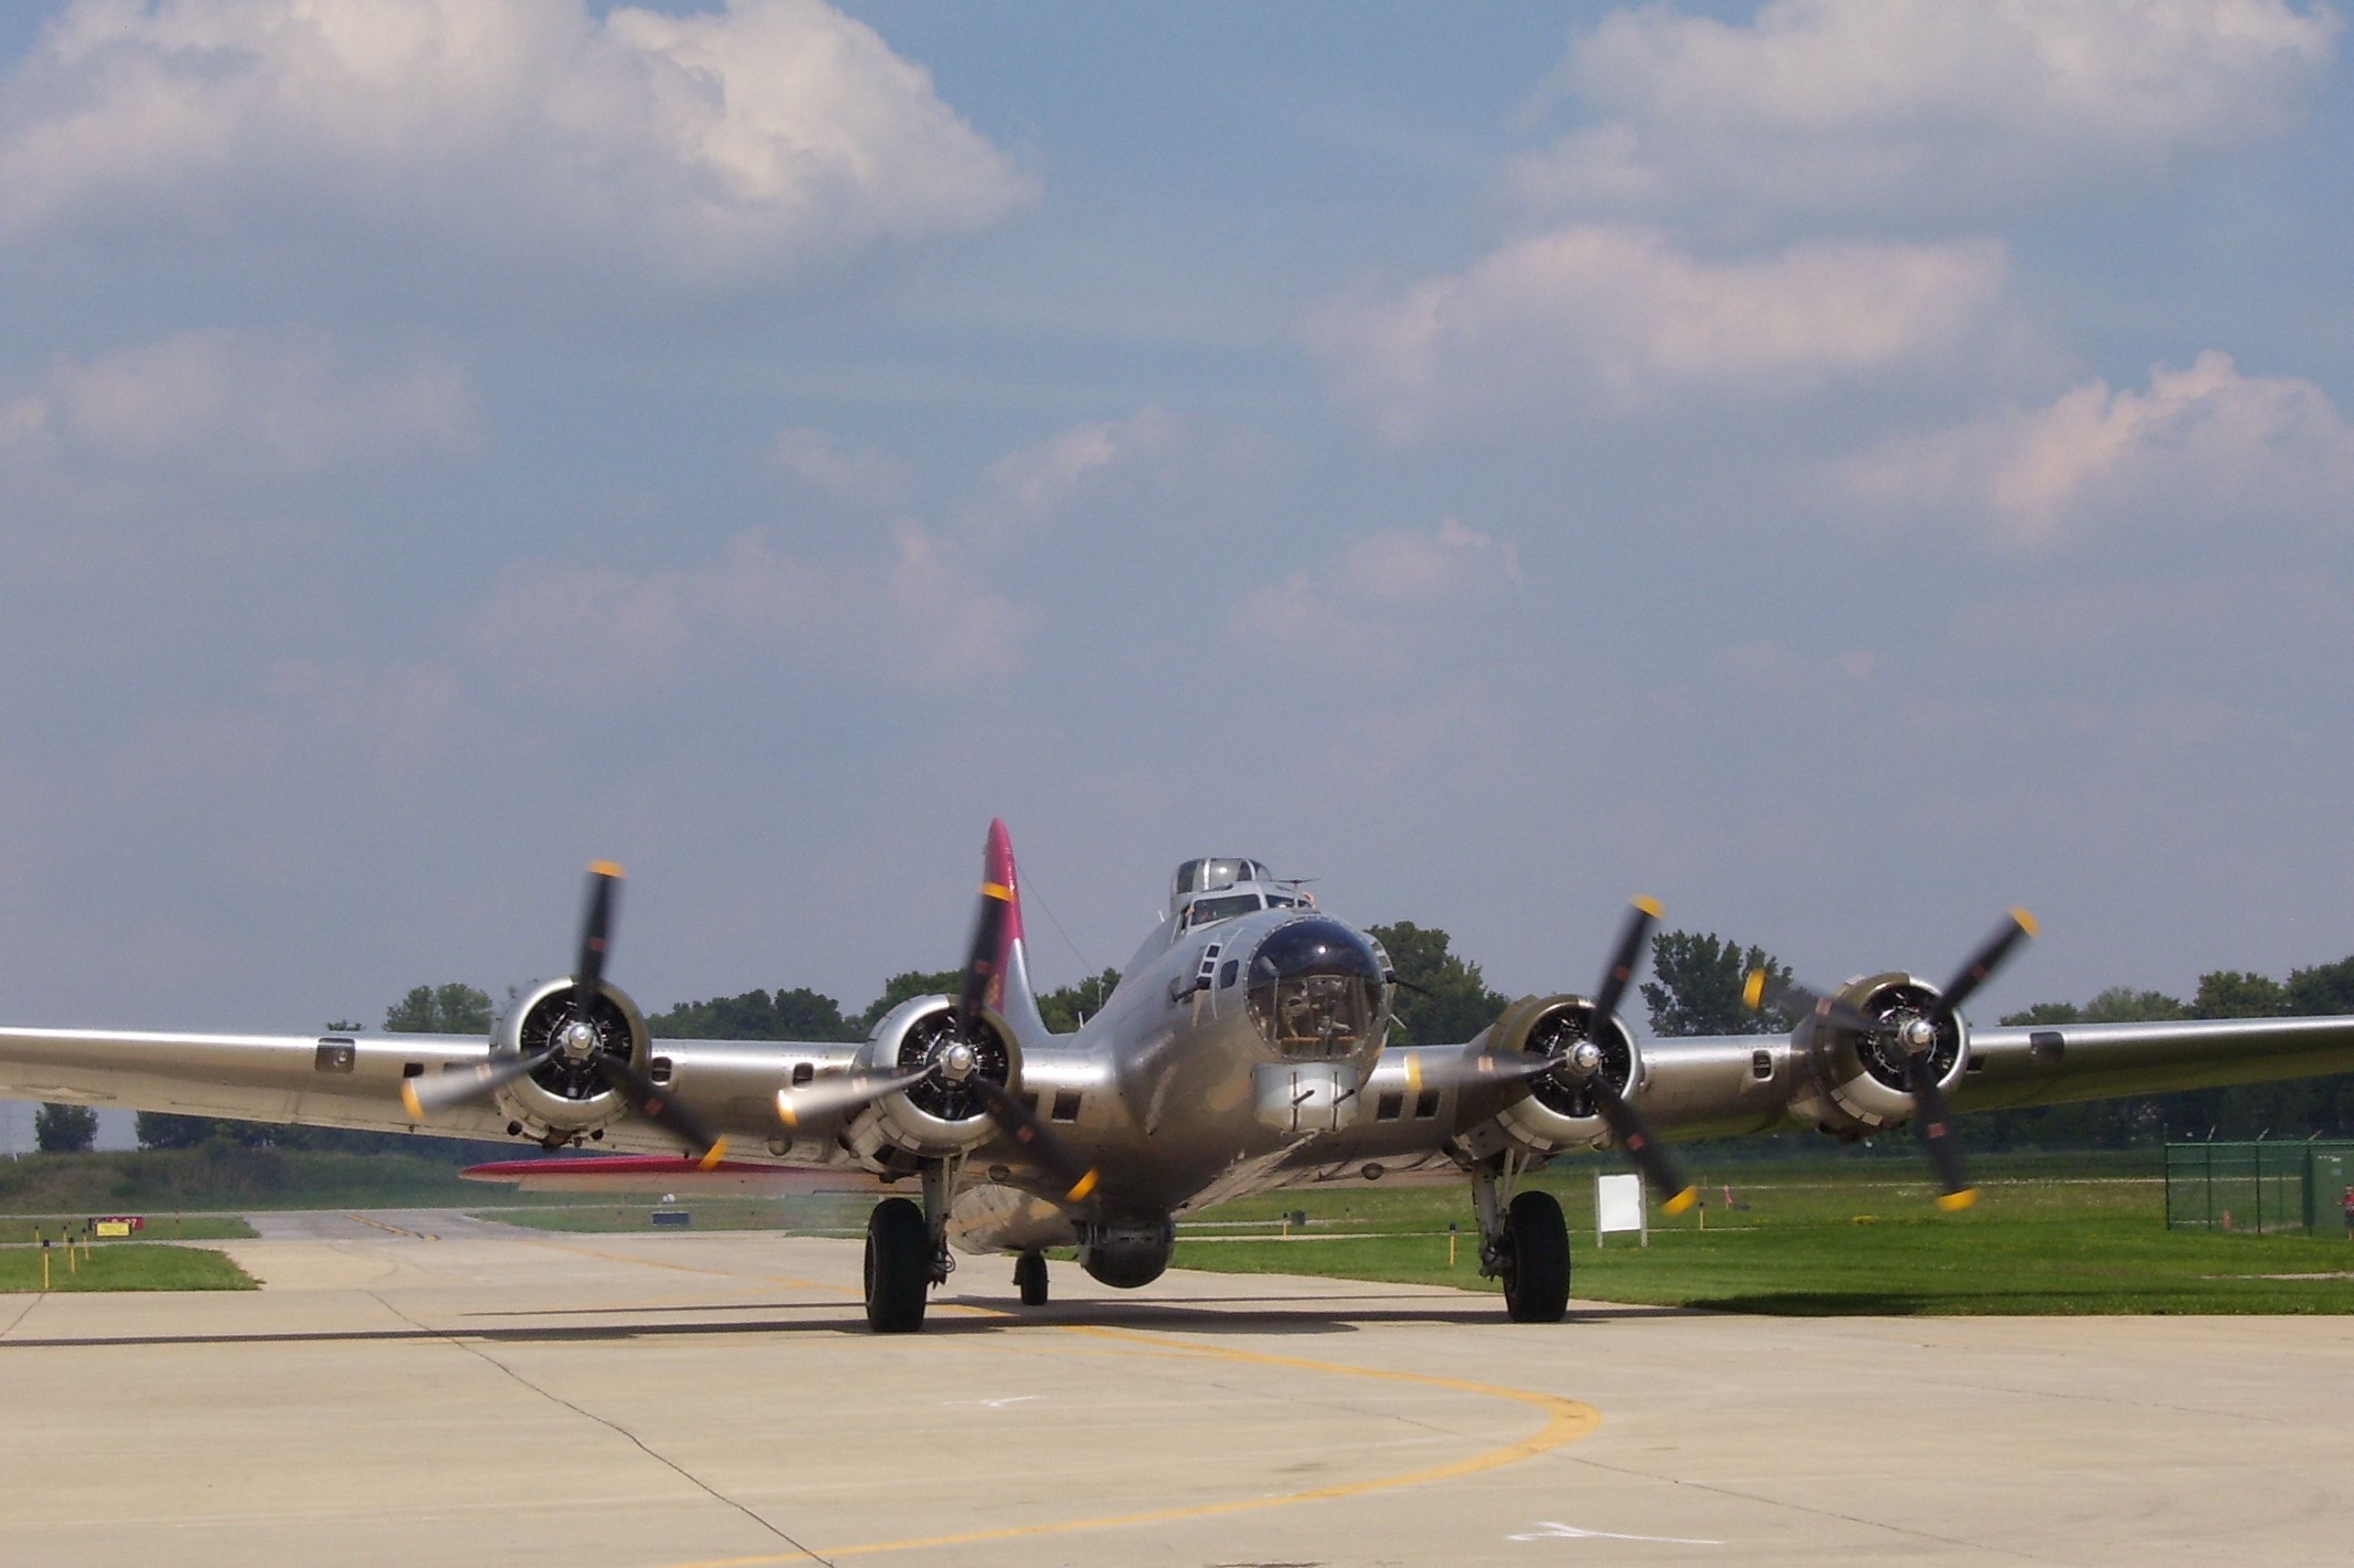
{"points": [[1039, 481], [242, 402], [1364, 601], [1917, 105], [2206, 444], [531, 138], [564, 629], [1621, 318]]}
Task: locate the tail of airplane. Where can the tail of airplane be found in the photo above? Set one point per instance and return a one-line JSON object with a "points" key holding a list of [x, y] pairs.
{"points": [[1010, 990]]}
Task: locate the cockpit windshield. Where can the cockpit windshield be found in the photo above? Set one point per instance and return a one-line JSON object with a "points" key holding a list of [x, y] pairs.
{"points": [[1204, 875], [1225, 906]]}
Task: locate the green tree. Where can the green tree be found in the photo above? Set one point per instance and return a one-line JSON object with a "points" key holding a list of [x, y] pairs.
{"points": [[1066, 1008], [453, 1009], [900, 987], [1697, 984], [64, 1129], [1444, 999], [797, 1014]]}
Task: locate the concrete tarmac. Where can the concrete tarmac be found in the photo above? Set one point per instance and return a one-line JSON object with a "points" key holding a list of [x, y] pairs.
{"points": [[505, 1396]]}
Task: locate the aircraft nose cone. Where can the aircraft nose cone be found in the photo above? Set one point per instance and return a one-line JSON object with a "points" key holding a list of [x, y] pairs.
{"points": [[1315, 988]]}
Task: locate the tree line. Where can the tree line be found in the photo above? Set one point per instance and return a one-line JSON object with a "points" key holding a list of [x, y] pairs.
{"points": [[1695, 988]]}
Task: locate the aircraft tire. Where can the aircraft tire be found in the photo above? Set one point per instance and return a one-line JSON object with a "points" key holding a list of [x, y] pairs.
{"points": [[898, 1267], [1536, 1269], [1030, 1278]]}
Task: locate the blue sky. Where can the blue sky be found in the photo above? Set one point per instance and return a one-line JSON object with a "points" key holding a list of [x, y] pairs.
{"points": [[1843, 468]]}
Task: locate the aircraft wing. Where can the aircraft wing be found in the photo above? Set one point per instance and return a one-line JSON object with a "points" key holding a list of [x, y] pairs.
{"points": [[2045, 1065], [355, 1080]]}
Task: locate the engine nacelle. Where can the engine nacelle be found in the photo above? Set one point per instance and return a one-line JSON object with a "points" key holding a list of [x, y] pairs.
{"points": [[1125, 1253], [1559, 1112], [1853, 1083], [935, 1118], [566, 1096]]}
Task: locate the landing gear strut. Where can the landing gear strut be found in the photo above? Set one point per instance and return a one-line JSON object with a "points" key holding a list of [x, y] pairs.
{"points": [[1030, 1278], [1524, 1242], [907, 1251]]}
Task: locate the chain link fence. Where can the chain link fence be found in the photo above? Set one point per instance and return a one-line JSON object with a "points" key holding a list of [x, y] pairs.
{"points": [[2258, 1188]]}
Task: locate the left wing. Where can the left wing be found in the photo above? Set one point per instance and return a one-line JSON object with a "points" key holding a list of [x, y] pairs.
{"points": [[355, 1081]]}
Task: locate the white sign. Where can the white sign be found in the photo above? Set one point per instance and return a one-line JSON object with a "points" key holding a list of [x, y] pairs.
{"points": [[1618, 1206]]}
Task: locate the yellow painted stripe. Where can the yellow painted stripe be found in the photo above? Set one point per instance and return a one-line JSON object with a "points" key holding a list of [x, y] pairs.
{"points": [[1414, 1073], [997, 891]]}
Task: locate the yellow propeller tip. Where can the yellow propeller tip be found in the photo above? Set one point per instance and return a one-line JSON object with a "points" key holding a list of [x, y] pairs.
{"points": [[785, 1112], [1649, 906], [713, 1156], [2026, 921], [1681, 1201], [604, 868], [1752, 990], [408, 1099], [1954, 1202], [1082, 1187]]}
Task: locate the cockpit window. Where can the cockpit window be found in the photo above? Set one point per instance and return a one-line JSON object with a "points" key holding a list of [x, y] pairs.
{"points": [[1316, 989], [1203, 875], [1202, 911]]}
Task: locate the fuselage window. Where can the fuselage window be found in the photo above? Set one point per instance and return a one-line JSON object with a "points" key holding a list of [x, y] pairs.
{"points": [[1426, 1105], [1389, 1107], [1067, 1105], [1227, 971]]}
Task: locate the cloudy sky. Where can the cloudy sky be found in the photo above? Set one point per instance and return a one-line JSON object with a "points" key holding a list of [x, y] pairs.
{"points": [[1840, 466]]}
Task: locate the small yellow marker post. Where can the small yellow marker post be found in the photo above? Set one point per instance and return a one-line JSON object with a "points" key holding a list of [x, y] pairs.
{"points": [[1452, 1235], [72, 1266], [45, 1263]]}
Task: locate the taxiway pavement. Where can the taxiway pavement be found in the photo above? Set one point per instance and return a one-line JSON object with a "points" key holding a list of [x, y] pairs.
{"points": [[415, 1388]]}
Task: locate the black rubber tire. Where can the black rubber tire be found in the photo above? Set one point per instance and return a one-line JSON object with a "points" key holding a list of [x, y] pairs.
{"points": [[898, 1267], [1030, 1278], [1536, 1262]]}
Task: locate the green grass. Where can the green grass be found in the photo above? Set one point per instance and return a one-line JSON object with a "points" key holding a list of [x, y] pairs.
{"points": [[160, 1227], [123, 1265], [1826, 1239]]}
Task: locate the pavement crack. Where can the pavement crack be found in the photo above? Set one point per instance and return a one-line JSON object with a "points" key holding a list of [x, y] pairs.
{"points": [[1762, 1498], [613, 1427], [20, 1316]]}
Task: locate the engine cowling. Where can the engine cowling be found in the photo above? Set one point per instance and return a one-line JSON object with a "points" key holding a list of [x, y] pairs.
{"points": [[564, 1096], [1854, 1083], [1559, 1112], [934, 1118]]}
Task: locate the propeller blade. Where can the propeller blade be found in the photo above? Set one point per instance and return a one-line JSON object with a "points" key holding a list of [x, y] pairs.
{"points": [[1640, 919], [1024, 1127], [596, 930], [422, 1094], [653, 1102], [2017, 927], [982, 958], [1675, 1194], [1668, 1183], [795, 1107], [1935, 1121], [1796, 998]]}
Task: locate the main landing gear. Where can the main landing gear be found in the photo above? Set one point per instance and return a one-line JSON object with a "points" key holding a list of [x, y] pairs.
{"points": [[1523, 1241], [907, 1252]]}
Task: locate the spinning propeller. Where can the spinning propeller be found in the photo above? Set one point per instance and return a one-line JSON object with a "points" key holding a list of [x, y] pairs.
{"points": [[579, 1040], [955, 1061], [1583, 1064], [1917, 1038]]}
